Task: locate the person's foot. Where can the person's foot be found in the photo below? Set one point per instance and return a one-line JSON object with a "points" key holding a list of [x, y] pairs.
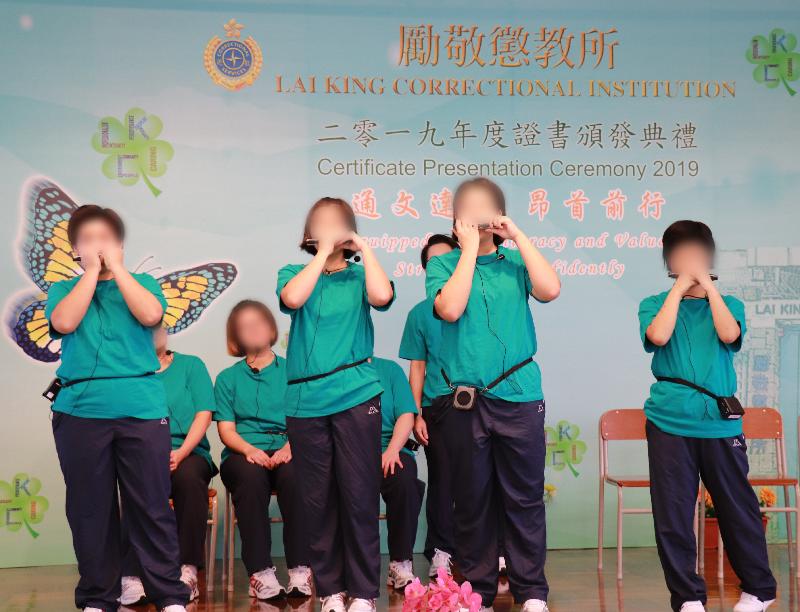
{"points": [[751, 603], [693, 606], [92, 610], [534, 605], [440, 559], [189, 578], [265, 585], [299, 582], [174, 608], [501, 563], [132, 592], [361, 605], [401, 573], [333, 603]]}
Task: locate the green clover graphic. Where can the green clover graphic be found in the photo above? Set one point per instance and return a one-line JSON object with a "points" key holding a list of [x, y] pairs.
{"points": [[132, 148], [21, 505], [775, 59], [564, 446]]}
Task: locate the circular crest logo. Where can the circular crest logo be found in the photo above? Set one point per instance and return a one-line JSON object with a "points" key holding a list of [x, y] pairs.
{"points": [[233, 63]]}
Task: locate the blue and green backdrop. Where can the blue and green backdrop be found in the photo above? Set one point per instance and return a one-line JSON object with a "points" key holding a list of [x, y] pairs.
{"points": [[213, 126]]}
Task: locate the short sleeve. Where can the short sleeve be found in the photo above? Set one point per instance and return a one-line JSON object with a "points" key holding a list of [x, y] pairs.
{"points": [[736, 306], [57, 292], [200, 387], [412, 344], [522, 271], [436, 277], [648, 309], [388, 304], [223, 398], [151, 284], [285, 274], [401, 390]]}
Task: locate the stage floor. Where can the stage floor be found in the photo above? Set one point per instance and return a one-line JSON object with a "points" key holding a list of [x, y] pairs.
{"points": [[575, 586]]}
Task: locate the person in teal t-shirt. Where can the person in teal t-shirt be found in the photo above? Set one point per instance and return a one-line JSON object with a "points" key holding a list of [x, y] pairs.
{"points": [[190, 402], [333, 401], [258, 459], [497, 448], [401, 490], [110, 418], [693, 331], [421, 342]]}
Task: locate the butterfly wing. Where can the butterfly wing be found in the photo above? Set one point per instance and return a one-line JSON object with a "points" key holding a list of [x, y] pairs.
{"points": [[46, 251], [189, 292], [30, 330]]}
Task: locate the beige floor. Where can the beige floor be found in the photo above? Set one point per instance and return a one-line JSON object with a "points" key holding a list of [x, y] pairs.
{"points": [[575, 586]]}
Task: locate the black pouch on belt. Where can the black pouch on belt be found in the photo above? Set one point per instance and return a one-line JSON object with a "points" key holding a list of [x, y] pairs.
{"points": [[464, 395], [730, 408]]}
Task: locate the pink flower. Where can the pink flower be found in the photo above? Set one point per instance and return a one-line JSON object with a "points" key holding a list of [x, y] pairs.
{"points": [[414, 597], [468, 599]]}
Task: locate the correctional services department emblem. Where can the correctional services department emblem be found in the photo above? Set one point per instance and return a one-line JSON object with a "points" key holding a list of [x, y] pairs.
{"points": [[233, 63]]}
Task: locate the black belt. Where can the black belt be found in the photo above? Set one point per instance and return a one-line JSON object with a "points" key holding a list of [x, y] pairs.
{"points": [[64, 385], [347, 366], [497, 380], [276, 432]]}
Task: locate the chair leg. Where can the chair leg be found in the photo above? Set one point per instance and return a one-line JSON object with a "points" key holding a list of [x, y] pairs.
{"points": [[696, 526], [787, 503], [225, 525], [231, 547], [600, 519], [720, 557], [619, 533], [211, 566], [797, 530], [701, 536]]}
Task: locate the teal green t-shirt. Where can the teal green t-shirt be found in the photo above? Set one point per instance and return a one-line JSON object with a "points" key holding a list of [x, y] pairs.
{"points": [[694, 353], [396, 399], [255, 402], [422, 339], [109, 342], [333, 328], [496, 330], [189, 391]]}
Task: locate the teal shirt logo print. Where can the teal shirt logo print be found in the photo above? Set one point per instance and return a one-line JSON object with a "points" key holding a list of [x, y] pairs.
{"points": [[132, 148], [21, 505], [776, 61], [564, 447]]}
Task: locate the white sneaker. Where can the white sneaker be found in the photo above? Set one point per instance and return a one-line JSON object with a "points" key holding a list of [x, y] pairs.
{"points": [[440, 559], [534, 605], [132, 592], [174, 608], [361, 605], [692, 606], [92, 610], [401, 573], [333, 603], [264, 585], [501, 562], [189, 578], [751, 603], [299, 582]]}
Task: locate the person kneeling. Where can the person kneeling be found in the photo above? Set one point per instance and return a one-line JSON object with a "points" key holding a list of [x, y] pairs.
{"points": [[402, 491]]}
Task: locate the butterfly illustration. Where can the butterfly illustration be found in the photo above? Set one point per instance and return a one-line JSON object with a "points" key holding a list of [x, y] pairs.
{"points": [[47, 257]]}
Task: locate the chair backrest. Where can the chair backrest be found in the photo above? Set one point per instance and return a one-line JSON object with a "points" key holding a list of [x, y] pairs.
{"points": [[623, 424], [619, 424], [762, 424], [766, 424]]}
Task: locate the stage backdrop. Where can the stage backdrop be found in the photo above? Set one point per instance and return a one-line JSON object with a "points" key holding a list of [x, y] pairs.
{"points": [[212, 129]]}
